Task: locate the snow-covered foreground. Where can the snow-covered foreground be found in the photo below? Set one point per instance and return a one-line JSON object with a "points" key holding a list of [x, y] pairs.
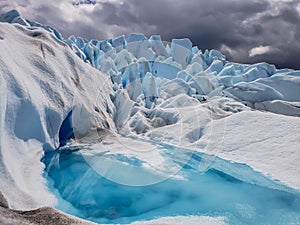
{"points": [[122, 130]]}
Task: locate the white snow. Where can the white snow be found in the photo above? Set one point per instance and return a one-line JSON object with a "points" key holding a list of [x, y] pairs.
{"points": [[41, 81], [183, 220], [267, 142]]}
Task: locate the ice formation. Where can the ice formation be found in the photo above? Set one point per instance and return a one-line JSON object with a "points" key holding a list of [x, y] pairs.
{"points": [[150, 109]]}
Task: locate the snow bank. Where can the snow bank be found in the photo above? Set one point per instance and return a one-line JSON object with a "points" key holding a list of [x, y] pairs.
{"points": [[42, 81], [182, 220], [267, 142]]}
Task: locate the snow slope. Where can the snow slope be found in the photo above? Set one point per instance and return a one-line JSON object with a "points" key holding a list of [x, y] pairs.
{"points": [[131, 95], [40, 84], [265, 141]]}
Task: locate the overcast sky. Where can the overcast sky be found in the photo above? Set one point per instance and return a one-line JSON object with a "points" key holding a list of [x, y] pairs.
{"points": [[244, 30]]}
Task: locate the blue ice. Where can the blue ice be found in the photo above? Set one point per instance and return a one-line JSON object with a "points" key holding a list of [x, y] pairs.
{"points": [[84, 193]]}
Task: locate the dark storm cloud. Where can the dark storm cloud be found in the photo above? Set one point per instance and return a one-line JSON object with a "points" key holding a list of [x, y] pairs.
{"points": [[235, 27], [280, 31]]}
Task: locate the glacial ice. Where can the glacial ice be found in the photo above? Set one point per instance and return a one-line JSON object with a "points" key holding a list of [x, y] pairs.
{"points": [[119, 94], [39, 88], [158, 46], [200, 70], [288, 86], [253, 92], [149, 90], [104, 201], [182, 51], [279, 107]]}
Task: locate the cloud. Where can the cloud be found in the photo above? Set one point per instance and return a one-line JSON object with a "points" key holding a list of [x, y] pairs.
{"points": [[232, 26], [260, 50], [83, 2]]}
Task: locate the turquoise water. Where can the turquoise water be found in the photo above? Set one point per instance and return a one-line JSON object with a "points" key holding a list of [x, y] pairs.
{"points": [[84, 193]]}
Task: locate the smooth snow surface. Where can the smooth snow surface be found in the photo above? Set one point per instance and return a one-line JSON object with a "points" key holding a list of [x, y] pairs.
{"points": [[130, 129], [183, 220], [273, 147]]}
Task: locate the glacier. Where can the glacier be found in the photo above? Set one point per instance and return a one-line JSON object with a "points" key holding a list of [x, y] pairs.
{"points": [[130, 129]]}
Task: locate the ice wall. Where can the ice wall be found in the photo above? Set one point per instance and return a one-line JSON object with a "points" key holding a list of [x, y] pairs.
{"points": [[42, 81], [201, 75]]}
